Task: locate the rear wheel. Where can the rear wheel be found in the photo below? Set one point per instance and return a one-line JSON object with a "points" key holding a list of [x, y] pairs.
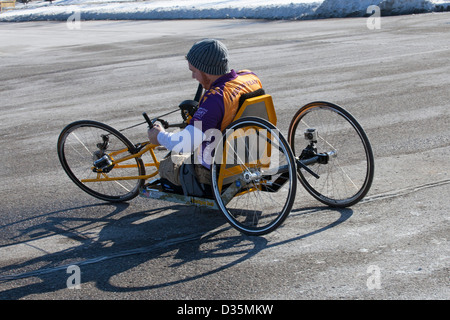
{"points": [[254, 176], [335, 162], [88, 151]]}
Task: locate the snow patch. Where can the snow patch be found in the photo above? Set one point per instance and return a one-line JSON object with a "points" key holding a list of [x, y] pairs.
{"points": [[206, 9]]}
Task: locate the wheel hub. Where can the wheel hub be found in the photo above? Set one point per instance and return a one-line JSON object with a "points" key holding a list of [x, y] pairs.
{"points": [[251, 176]]}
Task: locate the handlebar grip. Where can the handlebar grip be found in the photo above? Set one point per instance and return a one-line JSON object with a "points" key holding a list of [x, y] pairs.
{"points": [[150, 124]]}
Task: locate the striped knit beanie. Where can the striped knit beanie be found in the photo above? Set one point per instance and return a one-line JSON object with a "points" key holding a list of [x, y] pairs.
{"points": [[209, 56]]}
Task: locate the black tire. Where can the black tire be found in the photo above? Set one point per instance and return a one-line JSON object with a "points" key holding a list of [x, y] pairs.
{"points": [[81, 143], [347, 176], [258, 196]]}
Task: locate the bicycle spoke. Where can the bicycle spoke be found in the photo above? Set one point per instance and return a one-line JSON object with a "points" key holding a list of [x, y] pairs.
{"points": [[262, 202], [343, 176], [82, 143]]}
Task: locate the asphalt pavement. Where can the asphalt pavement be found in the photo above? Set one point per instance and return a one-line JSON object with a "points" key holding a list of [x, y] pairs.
{"points": [[56, 242]]}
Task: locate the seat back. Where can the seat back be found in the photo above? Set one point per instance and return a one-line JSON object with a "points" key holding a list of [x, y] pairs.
{"points": [[252, 146], [254, 104]]}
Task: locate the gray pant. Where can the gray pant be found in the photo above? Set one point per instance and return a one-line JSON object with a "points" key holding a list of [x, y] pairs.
{"points": [[169, 168]]}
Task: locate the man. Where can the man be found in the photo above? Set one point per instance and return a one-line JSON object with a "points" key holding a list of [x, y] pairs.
{"points": [[208, 62]]}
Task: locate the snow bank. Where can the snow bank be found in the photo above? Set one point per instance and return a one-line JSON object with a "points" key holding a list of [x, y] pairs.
{"points": [[207, 9], [357, 8]]}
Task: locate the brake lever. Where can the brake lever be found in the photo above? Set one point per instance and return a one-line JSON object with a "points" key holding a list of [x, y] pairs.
{"points": [[150, 123], [164, 123]]}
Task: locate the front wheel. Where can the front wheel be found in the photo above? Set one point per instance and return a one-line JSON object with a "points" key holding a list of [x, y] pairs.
{"points": [[334, 156], [254, 176], [89, 152]]}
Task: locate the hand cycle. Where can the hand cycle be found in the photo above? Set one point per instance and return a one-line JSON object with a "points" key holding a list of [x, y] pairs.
{"points": [[254, 169]]}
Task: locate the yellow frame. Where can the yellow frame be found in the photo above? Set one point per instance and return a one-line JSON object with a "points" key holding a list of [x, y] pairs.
{"points": [[223, 173], [147, 147], [269, 115], [268, 102], [237, 169]]}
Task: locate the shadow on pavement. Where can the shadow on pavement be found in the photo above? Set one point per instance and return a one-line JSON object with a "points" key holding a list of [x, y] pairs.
{"points": [[126, 241]]}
